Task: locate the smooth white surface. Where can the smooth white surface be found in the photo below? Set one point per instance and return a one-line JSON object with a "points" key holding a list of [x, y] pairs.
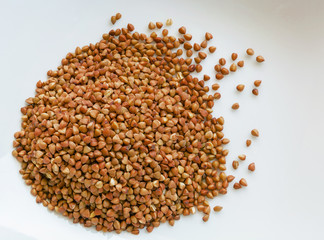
{"points": [[285, 196]]}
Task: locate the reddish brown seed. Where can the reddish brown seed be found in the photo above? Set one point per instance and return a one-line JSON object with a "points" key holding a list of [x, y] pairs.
{"points": [[259, 59], [255, 133], [255, 92], [240, 87], [189, 53], [113, 19], [243, 182], [199, 68], [240, 63], [215, 86], [217, 95], [257, 83], [237, 186], [196, 47], [212, 49], [217, 208], [205, 218], [230, 178], [218, 67], [159, 25], [248, 142], [130, 27], [234, 56], [118, 16], [251, 167], [151, 26], [187, 36], [242, 157], [206, 77], [250, 51], [235, 164], [208, 36], [219, 76], [203, 44], [235, 106], [182, 30], [165, 32], [202, 55], [233, 67], [222, 61], [224, 71], [221, 120]]}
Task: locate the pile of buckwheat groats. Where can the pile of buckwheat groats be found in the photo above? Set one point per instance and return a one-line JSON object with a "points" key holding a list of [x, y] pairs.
{"points": [[121, 136]]}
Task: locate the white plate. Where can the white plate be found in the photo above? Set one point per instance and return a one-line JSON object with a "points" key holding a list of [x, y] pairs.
{"points": [[285, 196]]}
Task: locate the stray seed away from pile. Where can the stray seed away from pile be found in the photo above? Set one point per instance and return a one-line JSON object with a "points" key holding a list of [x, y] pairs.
{"points": [[255, 92], [250, 51], [259, 59], [240, 63], [235, 164], [255, 133], [240, 87], [235, 106], [242, 157], [243, 182], [257, 83], [234, 56], [251, 167], [217, 208], [115, 18], [121, 136]]}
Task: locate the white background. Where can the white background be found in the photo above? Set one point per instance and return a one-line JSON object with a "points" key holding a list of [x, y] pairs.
{"points": [[285, 196]]}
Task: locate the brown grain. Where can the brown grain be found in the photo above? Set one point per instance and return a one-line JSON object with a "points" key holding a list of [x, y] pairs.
{"points": [[250, 51], [255, 92], [255, 132], [217, 208], [259, 59], [243, 182], [242, 157], [251, 167], [257, 83], [159, 25], [222, 61], [235, 164], [237, 186], [212, 49], [235, 106], [182, 30], [240, 87], [240, 63], [215, 86], [219, 76], [234, 56], [233, 67], [151, 26], [208, 36]]}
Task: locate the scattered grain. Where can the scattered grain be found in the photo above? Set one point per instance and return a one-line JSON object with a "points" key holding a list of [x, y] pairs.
{"points": [[235, 106], [251, 167], [240, 87], [255, 133], [250, 51]]}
